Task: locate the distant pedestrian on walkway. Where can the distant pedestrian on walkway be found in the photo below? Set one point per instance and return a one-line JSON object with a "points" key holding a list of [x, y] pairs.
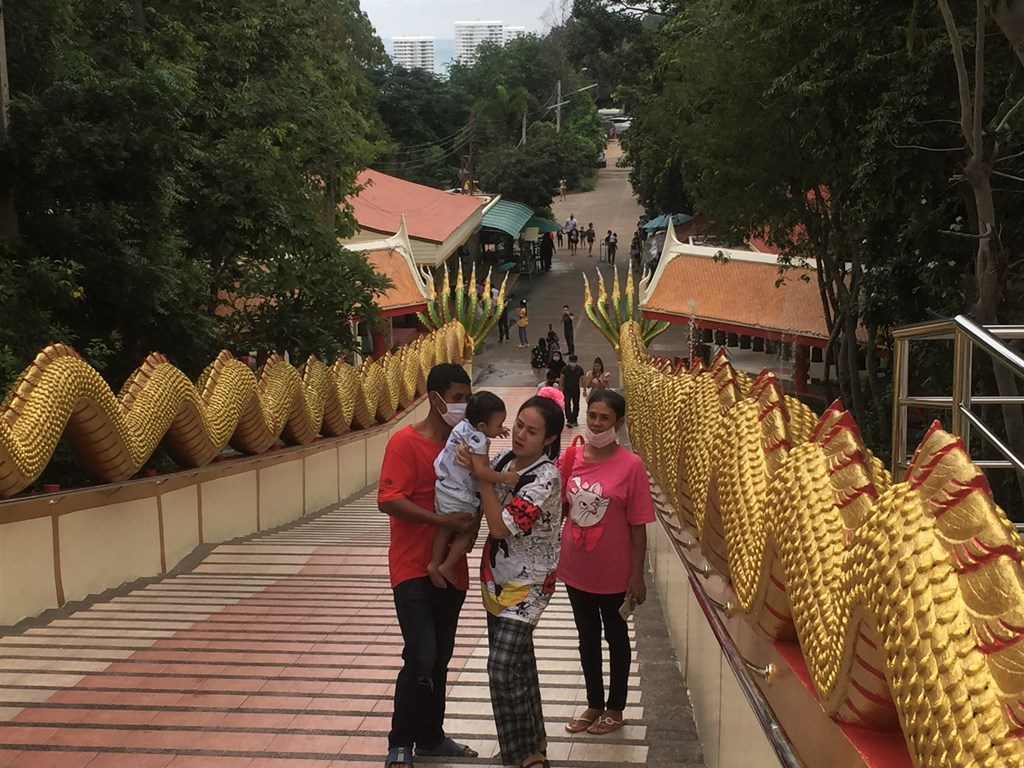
{"points": [[610, 242], [553, 343], [572, 377], [591, 236], [597, 377], [547, 250], [602, 556], [568, 330], [428, 616], [539, 356], [503, 322], [562, 187], [522, 321]]}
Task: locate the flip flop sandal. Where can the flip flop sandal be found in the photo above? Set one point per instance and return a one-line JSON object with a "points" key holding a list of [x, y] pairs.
{"points": [[400, 755], [605, 725], [579, 724], [447, 748]]}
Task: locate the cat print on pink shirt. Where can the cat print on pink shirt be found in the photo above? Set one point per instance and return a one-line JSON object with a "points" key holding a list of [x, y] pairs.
{"points": [[587, 506]]}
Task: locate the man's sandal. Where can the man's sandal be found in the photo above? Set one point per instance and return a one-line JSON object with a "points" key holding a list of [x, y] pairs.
{"points": [[447, 748], [606, 724], [398, 756], [579, 724]]}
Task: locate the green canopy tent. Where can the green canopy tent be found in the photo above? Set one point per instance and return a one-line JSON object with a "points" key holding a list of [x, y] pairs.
{"points": [[543, 225]]}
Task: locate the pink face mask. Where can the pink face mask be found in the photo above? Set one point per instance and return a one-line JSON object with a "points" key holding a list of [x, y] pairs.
{"points": [[601, 439]]}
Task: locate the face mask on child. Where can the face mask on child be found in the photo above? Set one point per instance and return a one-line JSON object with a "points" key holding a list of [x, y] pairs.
{"points": [[601, 439]]}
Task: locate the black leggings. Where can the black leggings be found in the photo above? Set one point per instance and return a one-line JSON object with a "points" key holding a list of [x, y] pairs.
{"points": [[591, 611]]}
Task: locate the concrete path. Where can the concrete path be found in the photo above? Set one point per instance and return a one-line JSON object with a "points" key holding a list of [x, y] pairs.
{"points": [[281, 650], [610, 205]]}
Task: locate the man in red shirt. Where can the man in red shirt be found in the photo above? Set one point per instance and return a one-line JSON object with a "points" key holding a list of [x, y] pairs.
{"points": [[427, 614]]}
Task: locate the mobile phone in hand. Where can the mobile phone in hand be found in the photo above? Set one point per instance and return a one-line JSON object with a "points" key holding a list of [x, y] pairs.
{"points": [[627, 607]]}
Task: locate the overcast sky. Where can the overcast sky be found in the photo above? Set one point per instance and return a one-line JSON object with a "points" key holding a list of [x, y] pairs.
{"points": [[398, 18]]}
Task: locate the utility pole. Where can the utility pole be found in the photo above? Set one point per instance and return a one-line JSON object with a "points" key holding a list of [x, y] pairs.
{"points": [[557, 106], [522, 141], [8, 213], [466, 177]]}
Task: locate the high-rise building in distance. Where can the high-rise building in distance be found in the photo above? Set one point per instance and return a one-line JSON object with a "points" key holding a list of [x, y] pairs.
{"points": [[469, 35], [511, 32], [414, 52]]}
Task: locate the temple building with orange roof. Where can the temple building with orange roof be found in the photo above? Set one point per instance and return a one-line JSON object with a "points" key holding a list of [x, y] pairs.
{"points": [[393, 256], [438, 223], [741, 296]]}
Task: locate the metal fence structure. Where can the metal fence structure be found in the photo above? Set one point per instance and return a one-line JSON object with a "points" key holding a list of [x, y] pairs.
{"points": [[968, 415]]}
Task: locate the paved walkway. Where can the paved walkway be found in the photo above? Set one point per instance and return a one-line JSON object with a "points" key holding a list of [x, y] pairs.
{"points": [[611, 205], [281, 650]]}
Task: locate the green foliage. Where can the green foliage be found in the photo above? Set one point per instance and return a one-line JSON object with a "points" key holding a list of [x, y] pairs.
{"points": [[428, 120], [530, 173], [176, 154], [810, 123]]}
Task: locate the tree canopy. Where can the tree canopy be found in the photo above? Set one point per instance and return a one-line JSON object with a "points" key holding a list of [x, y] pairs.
{"points": [[166, 157], [831, 130]]}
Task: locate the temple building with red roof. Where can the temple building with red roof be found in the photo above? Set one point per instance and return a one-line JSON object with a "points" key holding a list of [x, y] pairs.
{"points": [[437, 222], [393, 257], [738, 291]]}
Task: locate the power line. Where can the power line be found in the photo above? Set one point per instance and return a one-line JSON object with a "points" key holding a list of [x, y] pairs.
{"points": [[427, 144]]}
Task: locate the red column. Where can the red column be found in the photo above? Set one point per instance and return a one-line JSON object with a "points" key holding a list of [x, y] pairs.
{"points": [[379, 345], [801, 365]]}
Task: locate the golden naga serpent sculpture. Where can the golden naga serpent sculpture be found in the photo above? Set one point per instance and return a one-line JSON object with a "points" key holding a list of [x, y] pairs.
{"points": [[114, 435], [907, 598]]}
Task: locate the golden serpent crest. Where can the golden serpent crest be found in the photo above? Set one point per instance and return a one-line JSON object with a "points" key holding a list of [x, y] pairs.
{"points": [[114, 435], [907, 598]]}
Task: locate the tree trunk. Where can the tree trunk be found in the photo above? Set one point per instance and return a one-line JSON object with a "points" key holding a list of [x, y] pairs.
{"points": [[140, 16], [852, 349], [8, 212], [877, 394], [1009, 15]]}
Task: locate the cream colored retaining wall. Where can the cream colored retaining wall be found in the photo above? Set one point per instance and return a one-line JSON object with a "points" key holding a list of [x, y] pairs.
{"points": [[66, 546], [729, 733]]}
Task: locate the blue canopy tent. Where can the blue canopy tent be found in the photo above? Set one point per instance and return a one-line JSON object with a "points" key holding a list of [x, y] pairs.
{"points": [[661, 222]]}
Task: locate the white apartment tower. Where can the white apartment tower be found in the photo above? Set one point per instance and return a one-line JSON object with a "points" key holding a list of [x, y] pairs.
{"points": [[513, 32], [414, 52], [469, 35]]}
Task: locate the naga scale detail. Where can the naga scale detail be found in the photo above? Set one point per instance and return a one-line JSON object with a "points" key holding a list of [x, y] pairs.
{"points": [[114, 435], [906, 598]]}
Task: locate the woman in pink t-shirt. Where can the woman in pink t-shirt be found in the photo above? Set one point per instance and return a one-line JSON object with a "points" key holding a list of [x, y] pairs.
{"points": [[604, 542]]}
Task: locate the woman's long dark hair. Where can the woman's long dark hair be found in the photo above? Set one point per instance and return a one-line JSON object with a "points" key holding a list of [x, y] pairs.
{"points": [[554, 422]]}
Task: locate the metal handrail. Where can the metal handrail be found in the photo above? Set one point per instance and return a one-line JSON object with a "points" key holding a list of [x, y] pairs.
{"points": [[741, 668], [966, 335]]}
